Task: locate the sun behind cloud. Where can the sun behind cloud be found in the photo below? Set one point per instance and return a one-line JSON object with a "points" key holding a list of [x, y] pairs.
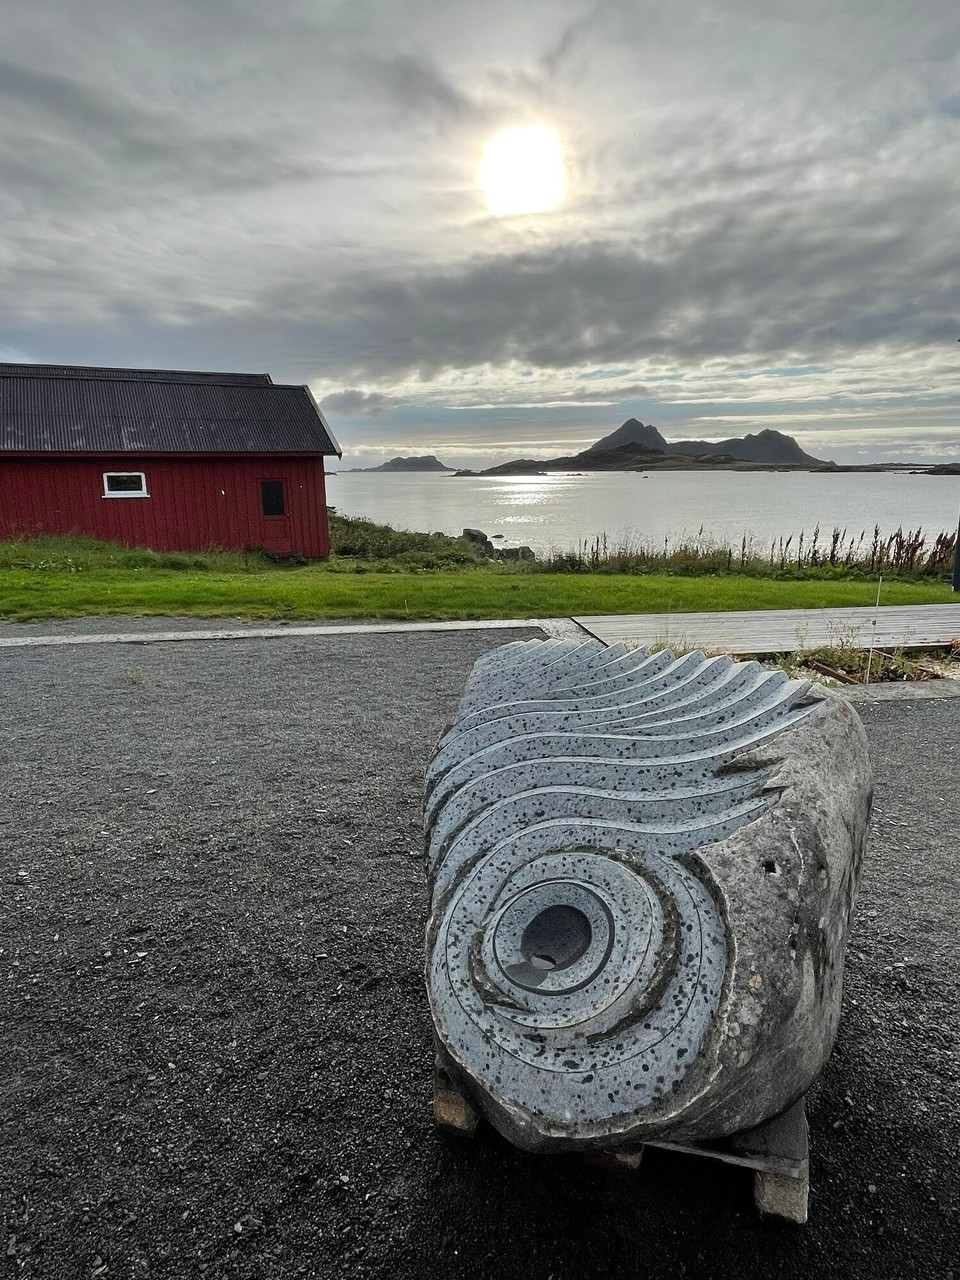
{"points": [[521, 171]]}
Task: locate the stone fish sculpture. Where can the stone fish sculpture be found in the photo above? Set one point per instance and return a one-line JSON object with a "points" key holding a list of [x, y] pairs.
{"points": [[642, 870]]}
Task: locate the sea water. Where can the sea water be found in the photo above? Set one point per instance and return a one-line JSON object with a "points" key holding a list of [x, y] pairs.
{"points": [[559, 512]]}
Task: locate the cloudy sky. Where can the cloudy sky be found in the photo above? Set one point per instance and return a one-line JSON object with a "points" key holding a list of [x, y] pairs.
{"points": [[760, 227]]}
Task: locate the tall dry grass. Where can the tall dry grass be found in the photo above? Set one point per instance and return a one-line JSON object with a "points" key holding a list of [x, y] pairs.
{"points": [[903, 554]]}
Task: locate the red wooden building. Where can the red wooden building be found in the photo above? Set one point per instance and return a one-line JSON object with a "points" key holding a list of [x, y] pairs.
{"points": [[167, 459]]}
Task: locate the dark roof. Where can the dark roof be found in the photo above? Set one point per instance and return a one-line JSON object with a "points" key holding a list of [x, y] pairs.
{"points": [[58, 409], [132, 375]]}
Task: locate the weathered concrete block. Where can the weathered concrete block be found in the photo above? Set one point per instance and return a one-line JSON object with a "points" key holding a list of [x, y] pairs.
{"points": [[642, 870]]}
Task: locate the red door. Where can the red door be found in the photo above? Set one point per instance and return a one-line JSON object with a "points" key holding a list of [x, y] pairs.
{"points": [[276, 517]]}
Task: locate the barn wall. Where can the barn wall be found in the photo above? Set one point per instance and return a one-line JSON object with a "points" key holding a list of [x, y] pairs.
{"points": [[194, 503]]}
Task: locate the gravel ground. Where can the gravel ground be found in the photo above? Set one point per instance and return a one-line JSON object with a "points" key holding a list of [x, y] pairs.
{"points": [[215, 1041]]}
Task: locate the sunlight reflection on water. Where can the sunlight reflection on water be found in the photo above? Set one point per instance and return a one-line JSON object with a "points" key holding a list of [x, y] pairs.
{"points": [[559, 511]]}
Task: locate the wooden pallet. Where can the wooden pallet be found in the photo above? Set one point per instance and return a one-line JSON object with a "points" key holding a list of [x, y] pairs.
{"points": [[778, 1152]]}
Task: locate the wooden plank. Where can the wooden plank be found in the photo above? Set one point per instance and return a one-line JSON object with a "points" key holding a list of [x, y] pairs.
{"points": [[782, 630], [770, 1164]]}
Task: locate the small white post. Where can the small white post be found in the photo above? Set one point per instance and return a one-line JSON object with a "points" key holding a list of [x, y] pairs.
{"points": [[873, 634]]}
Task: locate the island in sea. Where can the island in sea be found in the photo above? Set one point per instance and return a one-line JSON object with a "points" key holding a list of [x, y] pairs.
{"points": [[428, 462], [638, 447]]}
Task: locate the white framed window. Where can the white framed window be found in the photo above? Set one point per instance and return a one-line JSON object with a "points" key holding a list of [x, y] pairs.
{"points": [[125, 484]]}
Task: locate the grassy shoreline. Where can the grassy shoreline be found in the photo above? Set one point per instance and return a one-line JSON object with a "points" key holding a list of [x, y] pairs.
{"points": [[378, 572]]}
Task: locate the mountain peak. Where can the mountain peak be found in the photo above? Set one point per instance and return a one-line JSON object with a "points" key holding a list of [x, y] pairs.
{"points": [[632, 432]]}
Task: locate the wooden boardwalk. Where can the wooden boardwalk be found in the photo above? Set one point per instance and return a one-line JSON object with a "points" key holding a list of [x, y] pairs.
{"points": [[783, 630]]}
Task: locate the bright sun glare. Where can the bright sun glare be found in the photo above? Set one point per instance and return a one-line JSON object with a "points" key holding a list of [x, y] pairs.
{"points": [[522, 171]]}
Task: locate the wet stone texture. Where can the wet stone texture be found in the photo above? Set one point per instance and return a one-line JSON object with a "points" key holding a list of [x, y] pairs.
{"points": [[642, 871]]}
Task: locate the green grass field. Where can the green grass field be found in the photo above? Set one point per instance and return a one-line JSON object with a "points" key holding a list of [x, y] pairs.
{"points": [[317, 592]]}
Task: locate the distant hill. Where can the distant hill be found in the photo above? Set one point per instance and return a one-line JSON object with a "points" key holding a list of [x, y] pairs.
{"points": [[425, 463], [766, 446]]}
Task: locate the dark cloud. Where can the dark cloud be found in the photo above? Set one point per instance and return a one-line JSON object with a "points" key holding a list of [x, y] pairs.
{"points": [[771, 281], [414, 86], [59, 136], [351, 403]]}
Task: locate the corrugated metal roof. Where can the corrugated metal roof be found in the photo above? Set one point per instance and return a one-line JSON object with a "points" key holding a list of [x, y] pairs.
{"points": [[78, 411], [130, 375]]}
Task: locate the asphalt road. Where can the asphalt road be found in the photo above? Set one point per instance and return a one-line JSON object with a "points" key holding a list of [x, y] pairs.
{"points": [[214, 1035]]}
